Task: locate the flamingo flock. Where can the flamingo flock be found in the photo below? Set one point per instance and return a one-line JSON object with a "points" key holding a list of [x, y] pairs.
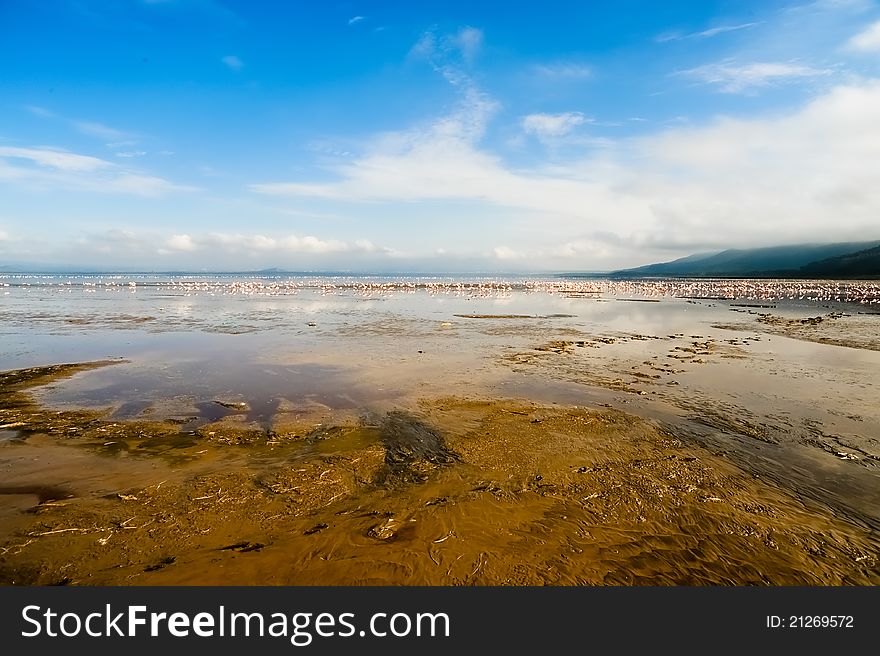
{"points": [[863, 292]]}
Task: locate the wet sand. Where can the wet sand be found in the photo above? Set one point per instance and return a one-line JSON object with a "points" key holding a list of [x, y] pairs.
{"points": [[521, 443], [461, 491]]}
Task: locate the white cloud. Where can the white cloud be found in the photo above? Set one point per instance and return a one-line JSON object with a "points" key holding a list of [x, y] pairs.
{"points": [[127, 246], [563, 70], [99, 130], [254, 244], [469, 41], [131, 153], [729, 182], [117, 243], [582, 248], [505, 253], [448, 50], [715, 31], [552, 125], [137, 185], [425, 47], [88, 128], [732, 77], [355, 19], [42, 112], [439, 160], [45, 168], [138, 248], [856, 6], [181, 243], [868, 40], [233, 62], [703, 34], [55, 159], [666, 37]]}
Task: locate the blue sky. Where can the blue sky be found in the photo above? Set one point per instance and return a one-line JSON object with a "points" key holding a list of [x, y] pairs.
{"points": [[214, 134]]}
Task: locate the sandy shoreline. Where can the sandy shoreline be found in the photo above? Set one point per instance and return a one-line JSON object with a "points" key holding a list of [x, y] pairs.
{"points": [[456, 491], [486, 436]]}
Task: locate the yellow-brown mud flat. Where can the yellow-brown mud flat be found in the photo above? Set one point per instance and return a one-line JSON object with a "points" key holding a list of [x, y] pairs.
{"points": [[835, 328], [453, 491]]}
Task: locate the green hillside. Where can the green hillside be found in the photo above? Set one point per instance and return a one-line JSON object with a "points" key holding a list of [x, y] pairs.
{"points": [[811, 260]]}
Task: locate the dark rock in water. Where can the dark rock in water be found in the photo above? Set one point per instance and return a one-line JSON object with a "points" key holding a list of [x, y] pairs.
{"points": [[161, 564], [316, 528], [243, 547], [407, 440], [241, 406], [44, 493], [412, 449], [233, 547]]}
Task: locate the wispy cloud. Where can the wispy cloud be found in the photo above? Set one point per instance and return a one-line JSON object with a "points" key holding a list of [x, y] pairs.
{"points": [[42, 112], [563, 70], [868, 40], [289, 243], [703, 34], [88, 128], [356, 19], [505, 253], [553, 125], [469, 41], [45, 168], [439, 156], [856, 6], [715, 31], [238, 243], [448, 52], [732, 77], [180, 243], [55, 159], [138, 247], [99, 130], [233, 62], [677, 189]]}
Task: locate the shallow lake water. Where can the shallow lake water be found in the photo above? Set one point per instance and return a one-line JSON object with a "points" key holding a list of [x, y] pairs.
{"points": [[777, 377]]}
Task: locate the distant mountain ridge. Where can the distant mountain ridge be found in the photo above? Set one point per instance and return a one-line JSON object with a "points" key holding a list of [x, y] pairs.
{"points": [[846, 259], [865, 263]]}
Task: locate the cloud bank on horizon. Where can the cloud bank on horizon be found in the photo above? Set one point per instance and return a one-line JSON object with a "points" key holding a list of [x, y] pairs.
{"points": [[434, 137]]}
